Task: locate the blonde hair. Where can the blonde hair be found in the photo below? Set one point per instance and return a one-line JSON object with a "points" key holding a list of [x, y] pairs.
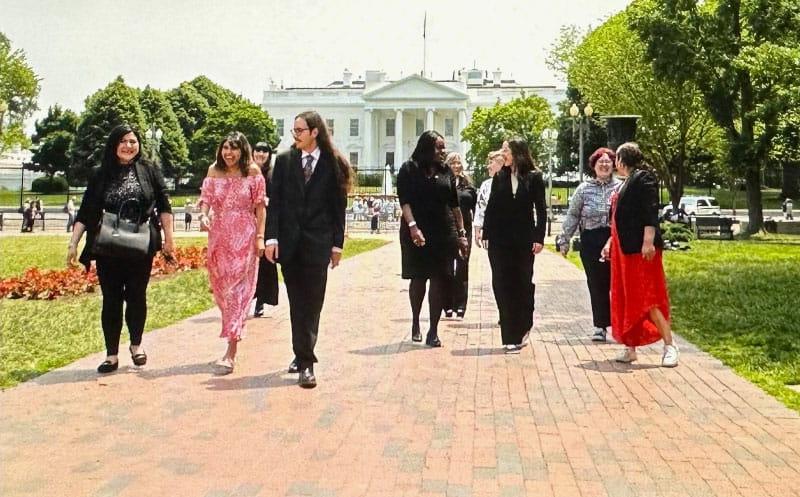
{"points": [[493, 155]]}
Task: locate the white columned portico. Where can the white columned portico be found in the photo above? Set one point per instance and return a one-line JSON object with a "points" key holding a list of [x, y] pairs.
{"points": [[368, 155], [398, 139], [462, 123], [429, 118]]}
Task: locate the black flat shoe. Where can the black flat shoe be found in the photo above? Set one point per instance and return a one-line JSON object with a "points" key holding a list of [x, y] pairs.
{"points": [[416, 335], [259, 311], [107, 367], [433, 341], [307, 378], [448, 313], [293, 367], [460, 313], [139, 359]]}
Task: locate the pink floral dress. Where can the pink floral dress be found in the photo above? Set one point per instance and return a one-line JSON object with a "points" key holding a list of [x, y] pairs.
{"points": [[232, 257]]}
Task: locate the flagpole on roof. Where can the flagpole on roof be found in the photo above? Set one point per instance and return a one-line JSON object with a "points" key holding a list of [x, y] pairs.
{"points": [[424, 43]]}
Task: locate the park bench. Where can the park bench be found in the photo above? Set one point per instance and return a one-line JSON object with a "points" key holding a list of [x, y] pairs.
{"points": [[716, 226]]}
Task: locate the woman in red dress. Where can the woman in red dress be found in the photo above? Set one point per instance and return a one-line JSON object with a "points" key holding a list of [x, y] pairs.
{"points": [[639, 300]]}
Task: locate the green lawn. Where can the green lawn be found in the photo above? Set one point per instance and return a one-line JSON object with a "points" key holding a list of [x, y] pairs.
{"points": [[739, 301], [37, 336]]}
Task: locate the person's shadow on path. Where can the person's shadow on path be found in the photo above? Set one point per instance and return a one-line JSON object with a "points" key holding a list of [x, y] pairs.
{"points": [[275, 379], [612, 366]]}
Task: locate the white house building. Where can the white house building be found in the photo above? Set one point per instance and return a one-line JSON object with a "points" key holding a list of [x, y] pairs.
{"points": [[376, 122]]}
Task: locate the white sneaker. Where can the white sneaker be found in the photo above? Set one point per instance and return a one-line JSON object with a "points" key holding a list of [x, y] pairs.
{"points": [[670, 358], [513, 349], [599, 335], [628, 355]]}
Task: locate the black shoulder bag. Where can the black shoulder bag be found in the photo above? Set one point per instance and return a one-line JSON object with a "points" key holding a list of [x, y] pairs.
{"points": [[119, 237]]}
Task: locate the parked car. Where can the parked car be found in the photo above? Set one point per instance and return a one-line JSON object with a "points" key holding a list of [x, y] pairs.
{"points": [[695, 206]]}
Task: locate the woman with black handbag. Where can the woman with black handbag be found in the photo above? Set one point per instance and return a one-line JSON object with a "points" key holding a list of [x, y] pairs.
{"points": [[125, 191]]}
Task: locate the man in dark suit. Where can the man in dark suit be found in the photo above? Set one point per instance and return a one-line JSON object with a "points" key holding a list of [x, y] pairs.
{"points": [[305, 230]]}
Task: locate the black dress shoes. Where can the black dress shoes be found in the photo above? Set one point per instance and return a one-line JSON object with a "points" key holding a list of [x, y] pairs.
{"points": [[293, 367], [448, 313], [259, 310], [416, 335], [107, 367], [433, 341], [307, 378]]}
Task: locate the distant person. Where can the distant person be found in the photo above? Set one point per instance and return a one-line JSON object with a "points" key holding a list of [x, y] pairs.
{"points": [[188, 207], [27, 217], [39, 206], [639, 301], [69, 208], [515, 236], [431, 230], [124, 175], [267, 282], [233, 192], [787, 209], [588, 213]]}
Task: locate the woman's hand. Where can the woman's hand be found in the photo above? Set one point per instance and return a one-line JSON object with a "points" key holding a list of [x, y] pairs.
{"points": [[417, 237], [478, 233], [536, 248], [205, 222], [260, 246], [605, 253], [648, 250], [72, 255], [463, 246], [168, 249]]}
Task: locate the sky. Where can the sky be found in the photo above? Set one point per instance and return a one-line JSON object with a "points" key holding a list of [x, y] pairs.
{"points": [[78, 46]]}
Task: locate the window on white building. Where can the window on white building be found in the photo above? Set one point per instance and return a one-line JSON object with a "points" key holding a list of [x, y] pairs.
{"points": [[420, 126], [353, 158], [390, 158], [390, 127], [353, 127], [279, 125], [329, 124], [448, 127]]}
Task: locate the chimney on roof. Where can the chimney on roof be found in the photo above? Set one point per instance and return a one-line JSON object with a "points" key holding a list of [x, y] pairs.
{"points": [[347, 78], [497, 77]]}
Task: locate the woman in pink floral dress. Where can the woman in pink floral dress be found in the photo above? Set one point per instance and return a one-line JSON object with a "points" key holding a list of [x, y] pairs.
{"points": [[234, 193]]}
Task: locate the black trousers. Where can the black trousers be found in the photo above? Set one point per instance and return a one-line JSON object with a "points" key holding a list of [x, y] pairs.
{"points": [[458, 285], [512, 282], [598, 274], [267, 283], [305, 287], [123, 280]]}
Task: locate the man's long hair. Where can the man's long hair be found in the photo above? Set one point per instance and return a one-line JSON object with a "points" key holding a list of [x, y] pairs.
{"points": [[344, 174]]}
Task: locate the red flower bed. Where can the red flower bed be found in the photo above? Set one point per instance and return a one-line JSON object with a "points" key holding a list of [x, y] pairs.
{"points": [[35, 284]]}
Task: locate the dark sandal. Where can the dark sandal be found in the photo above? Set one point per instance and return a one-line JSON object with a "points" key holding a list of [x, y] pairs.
{"points": [[139, 359], [107, 367]]}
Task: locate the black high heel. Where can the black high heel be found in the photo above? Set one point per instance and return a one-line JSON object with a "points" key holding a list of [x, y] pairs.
{"points": [[139, 359], [433, 340]]}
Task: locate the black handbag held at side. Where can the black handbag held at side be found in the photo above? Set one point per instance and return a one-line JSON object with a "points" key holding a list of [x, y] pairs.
{"points": [[119, 237]]}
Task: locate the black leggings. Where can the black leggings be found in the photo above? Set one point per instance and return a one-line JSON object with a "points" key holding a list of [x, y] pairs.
{"points": [[123, 280]]}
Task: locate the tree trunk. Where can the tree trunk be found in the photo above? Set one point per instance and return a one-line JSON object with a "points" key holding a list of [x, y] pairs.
{"points": [[791, 181], [755, 212]]}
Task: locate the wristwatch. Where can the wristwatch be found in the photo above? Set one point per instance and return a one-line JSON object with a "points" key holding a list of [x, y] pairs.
{"points": [[462, 233]]}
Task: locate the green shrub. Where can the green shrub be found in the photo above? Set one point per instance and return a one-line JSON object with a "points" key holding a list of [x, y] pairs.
{"points": [[56, 184], [677, 232]]}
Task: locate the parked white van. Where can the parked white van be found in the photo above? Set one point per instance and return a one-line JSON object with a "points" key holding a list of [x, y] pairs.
{"points": [[695, 206]]}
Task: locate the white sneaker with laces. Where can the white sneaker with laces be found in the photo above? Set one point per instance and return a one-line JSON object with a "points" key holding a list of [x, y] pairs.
{"points": [[670, 358], [628, 355], [599, 335]]}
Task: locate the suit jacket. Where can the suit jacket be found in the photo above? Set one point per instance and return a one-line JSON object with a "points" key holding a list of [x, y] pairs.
{"points": [[91, 209], [509, 221], [637, 207], [307, 219]]}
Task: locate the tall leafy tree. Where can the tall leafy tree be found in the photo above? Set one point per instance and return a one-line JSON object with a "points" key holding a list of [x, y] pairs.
{"points": [[241, 115], [115, 104], [741, 55], [173, 153], [526, 117], [190, 107], [19, 90], [611, 70], [53, 137]]}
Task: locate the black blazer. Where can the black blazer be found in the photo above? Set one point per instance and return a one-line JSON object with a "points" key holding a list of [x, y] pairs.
{"points": [[508, 221], [637, 207], [307, 219], [91, 209]]}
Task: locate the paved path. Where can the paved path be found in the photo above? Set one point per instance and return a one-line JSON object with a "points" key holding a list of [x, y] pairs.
{"points": [[390, 418]]}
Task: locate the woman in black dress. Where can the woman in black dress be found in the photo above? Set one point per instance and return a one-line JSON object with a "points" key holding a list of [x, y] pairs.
{"points": [[514, 238], [267, 284], [431, 229]]}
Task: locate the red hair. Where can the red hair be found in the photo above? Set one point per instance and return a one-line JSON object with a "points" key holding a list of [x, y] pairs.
{"points": [[596, 156]]}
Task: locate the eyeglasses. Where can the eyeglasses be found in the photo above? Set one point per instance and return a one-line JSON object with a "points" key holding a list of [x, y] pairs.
{"points": [[299, 131]]}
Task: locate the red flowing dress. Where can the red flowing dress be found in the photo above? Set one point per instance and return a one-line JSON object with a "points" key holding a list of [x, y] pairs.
{"points": [[637, 285]]}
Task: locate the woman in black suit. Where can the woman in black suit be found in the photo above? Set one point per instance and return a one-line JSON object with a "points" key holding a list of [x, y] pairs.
{"points": [[123, 175], [267, 284], [431, 229], [514, 238]]}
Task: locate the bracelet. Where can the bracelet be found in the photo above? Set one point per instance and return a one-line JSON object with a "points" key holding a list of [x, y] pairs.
{"points": [[462, 233], [412, 224], [259, 237]]}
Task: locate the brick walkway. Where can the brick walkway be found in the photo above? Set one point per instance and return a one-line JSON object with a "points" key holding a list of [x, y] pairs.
{"points": [[393, 419]]}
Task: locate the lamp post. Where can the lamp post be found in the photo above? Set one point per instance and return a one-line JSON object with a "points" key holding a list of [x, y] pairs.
{"points": [[549, 137], [582, 117], [155, 134]]}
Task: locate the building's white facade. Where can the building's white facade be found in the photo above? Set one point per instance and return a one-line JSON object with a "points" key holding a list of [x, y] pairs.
{"points": [[377, 122]]}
